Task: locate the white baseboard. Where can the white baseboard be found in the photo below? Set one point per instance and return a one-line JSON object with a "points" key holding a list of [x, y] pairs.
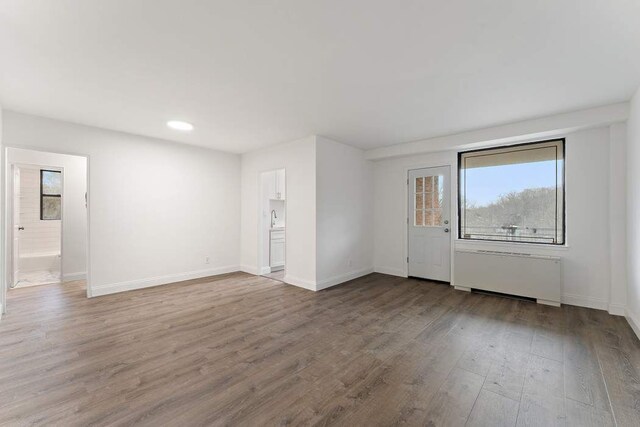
{"points": [[583, 301], [336, 280], [392, 271], [617, 309], [250, 269], [547, 302], [265, 270], [301, 283], [113, 288], [74, 276], [634, 321]]}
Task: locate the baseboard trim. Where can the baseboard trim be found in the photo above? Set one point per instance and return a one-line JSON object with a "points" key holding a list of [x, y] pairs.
{"points": [[582, 301], [391, 271], [265, 270], [336, 280], [131, 285], [301, 283], [634, 321], [249, 269], [617, 309], [71, 277]]}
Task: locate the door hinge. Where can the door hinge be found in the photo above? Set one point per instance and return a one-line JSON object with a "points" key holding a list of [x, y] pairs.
{"points": [[407, 181], [407, 260], [407, 220]]}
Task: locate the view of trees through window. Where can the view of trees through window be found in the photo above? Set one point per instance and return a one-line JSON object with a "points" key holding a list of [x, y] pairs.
{"points": [[513, 194], [50, 195]]}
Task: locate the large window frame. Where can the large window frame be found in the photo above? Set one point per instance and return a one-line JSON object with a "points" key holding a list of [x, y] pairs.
{"points": [[561, 184], [43, 195]]}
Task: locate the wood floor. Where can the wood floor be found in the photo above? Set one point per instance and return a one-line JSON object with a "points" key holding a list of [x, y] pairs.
{"points": [[276, 275], [246, 350]]}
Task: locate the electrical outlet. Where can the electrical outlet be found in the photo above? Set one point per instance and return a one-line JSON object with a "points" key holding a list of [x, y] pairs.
{"points": [[206, 260]]}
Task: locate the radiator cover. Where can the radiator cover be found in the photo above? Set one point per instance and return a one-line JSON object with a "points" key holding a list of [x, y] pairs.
{"points": [[532, 276]]}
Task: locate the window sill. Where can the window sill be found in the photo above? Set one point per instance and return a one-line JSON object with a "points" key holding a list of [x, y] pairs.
{"points": [[512, 247]]}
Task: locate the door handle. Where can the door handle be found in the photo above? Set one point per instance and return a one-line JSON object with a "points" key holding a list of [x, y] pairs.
{"points": [[446, 230], [20, 228]]}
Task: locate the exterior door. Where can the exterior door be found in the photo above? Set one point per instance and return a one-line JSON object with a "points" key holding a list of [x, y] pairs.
{"points": [[429, 223]]}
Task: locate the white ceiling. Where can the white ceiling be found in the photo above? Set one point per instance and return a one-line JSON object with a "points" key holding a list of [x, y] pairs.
{"points": [[369, 73]]}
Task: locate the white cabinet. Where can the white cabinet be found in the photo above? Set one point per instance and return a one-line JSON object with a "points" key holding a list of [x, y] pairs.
{"points": [[276, 250], [280, 184], [276, 184]]}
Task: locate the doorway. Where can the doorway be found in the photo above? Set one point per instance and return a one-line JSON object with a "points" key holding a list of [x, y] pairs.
{"points": [[46, 227], [429, 227], [272, 234], [37, 225]]}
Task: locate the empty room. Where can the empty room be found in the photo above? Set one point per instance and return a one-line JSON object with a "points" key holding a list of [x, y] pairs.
{"points": [[349, 213]]}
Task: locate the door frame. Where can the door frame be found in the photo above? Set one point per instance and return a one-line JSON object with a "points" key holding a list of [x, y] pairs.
{"points": [[262, 222], [11, 220], [6, 192], [450, 161]]}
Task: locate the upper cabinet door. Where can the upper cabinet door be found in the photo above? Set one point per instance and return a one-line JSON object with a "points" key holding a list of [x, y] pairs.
{"points": [[280, 185], [269, 184]]}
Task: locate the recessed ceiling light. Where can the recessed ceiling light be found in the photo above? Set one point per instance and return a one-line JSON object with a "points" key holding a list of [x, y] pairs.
{"points": [[179, 125]]}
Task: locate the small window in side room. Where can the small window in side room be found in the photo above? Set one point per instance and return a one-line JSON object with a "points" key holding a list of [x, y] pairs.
{"points": [[50, 195], [513, 193]]}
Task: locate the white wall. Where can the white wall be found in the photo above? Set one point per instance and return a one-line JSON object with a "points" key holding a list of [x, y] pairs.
{"points": [[391, 204], [75, 214], [3, 276], [586, 260], [344, 218], [618, 217], [633, 213], [157, 209], [298, 158]]}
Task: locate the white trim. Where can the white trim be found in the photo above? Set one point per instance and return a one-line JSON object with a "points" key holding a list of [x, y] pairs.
{"points": [[249, 269], [617, 309], [81, 275], [547, 302], [336, 280], [583, 301], [265, 270], [634, 321], [113, 288], [391, 271], [301, 283]]}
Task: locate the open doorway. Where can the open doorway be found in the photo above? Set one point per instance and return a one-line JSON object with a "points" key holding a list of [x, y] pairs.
{"points": [[47, 221], [273, 224], [37, 225]]}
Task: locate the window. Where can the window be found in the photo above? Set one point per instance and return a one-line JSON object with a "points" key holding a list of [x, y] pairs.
{"points": [[513, 194], [427, 193], [50, 195]]}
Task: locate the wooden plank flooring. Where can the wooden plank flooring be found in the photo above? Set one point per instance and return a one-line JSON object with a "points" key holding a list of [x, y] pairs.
{"points": [[246, 350]]}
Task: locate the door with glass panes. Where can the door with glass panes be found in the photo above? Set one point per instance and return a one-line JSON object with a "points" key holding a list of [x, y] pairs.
{"points": [[429, 223]]}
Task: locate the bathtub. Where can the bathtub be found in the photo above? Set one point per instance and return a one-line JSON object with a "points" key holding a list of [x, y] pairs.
{"points": [[43, 261]]}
